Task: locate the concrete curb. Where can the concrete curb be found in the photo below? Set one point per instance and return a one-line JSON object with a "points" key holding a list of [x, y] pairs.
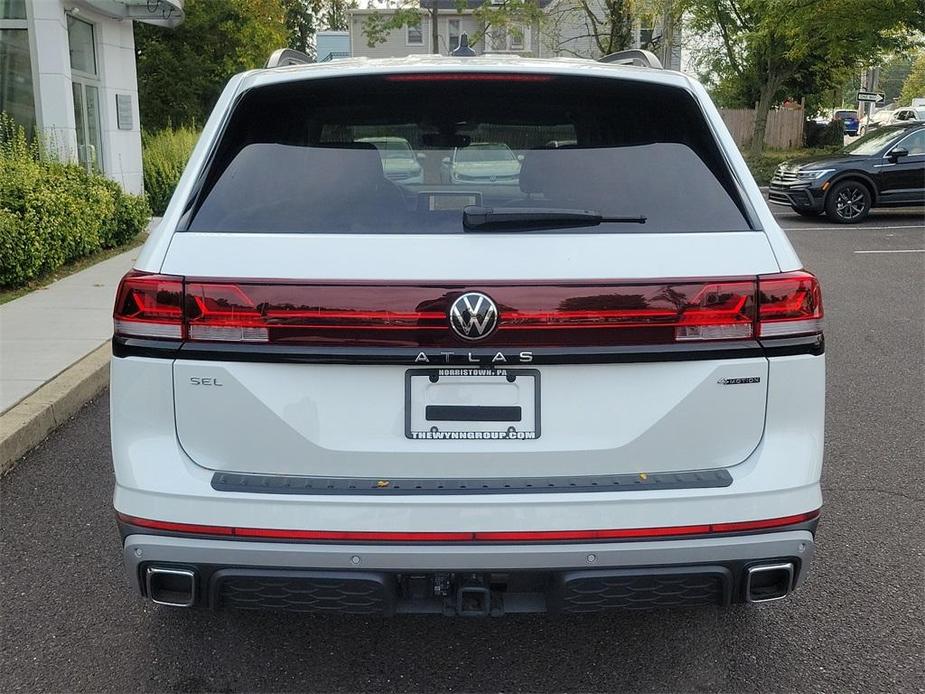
{"points": [[27, 423]]}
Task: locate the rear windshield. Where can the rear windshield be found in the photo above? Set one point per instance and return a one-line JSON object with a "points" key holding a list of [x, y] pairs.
{"points": [[409, 153]]}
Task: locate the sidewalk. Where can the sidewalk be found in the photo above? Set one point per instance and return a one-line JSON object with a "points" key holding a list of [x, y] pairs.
{"points": [[48, 330]]}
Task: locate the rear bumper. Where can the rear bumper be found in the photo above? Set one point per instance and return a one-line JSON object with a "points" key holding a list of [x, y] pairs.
{"points": [[489, 579]]}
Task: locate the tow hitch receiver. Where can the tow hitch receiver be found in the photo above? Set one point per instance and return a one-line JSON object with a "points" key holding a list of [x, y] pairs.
{"points": [[473, 598]]}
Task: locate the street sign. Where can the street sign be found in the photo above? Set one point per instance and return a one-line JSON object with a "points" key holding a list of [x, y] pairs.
{"points": [[872, 97]]}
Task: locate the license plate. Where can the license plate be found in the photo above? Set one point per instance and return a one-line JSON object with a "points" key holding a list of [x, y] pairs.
{"points": [[473, 404]]}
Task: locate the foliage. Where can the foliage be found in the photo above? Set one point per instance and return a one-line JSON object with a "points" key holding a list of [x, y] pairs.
{"points": [[503, 16], [165, 155], [300, 24], [181, 72], [333, 15], [914, 86], [593, 28], [52, 213], [773, 49]]}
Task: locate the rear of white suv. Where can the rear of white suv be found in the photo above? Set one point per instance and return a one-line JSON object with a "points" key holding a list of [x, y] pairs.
{"points": [[598, 384]]}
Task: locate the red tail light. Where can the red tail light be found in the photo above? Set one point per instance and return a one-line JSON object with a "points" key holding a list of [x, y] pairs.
{"points": [[789, 304], [149, 306], [598, 314]]}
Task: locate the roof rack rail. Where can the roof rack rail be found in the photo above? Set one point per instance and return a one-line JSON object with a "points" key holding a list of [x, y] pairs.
{"points": [[633, 56], [288, 56]]}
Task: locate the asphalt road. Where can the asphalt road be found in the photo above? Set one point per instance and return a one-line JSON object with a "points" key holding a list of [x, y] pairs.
{"points": [[70, 622]]}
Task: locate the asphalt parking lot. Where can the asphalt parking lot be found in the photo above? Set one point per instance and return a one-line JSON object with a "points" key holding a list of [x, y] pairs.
{"points": [[70, 622]]}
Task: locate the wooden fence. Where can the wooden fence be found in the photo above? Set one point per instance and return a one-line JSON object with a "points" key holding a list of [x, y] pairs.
{"points": [[784, 130]]}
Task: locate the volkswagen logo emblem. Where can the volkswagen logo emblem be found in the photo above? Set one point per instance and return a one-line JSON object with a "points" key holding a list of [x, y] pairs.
{"points": [[473, 316]]}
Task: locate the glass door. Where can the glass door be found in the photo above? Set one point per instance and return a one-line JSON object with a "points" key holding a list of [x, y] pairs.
{"points": [[85, 85], [89, 128]]}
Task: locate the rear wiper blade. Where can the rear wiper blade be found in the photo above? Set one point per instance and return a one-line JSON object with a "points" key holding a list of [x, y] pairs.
{"points": [[477, 218]]}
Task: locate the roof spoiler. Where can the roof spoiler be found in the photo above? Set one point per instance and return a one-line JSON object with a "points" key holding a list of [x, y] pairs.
{"points": [[282, 57], [633, 56]]}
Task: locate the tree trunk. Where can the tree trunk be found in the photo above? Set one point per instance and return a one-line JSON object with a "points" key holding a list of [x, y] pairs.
{"points": [[762, 109], [434, 27]]}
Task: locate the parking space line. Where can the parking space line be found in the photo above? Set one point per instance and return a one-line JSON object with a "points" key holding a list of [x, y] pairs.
{"points": [[897, 250], [839, 227]]}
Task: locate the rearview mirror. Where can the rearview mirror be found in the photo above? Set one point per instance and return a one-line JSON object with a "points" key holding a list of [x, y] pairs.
{"points": [[894, 154]]}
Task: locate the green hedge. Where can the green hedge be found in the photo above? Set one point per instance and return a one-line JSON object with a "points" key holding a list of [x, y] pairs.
{"points": [[165, 156], [53, 213]]}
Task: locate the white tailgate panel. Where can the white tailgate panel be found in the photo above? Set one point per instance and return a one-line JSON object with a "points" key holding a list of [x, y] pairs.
{"points": [[349, 421], [469, 257]]}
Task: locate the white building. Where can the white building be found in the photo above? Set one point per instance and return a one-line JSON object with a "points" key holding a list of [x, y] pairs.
{"points": [[566, 31], [67, 73], [452, 22]]}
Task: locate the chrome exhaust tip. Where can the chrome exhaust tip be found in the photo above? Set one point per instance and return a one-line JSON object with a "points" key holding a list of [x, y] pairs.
{"points": [[170, 586], [768, 582]]}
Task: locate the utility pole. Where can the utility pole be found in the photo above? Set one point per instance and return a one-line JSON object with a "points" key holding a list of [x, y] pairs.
{"points": [[434, 27], [870, 81]]}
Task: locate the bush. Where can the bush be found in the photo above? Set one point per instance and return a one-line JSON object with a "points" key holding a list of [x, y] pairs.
{"points": [[52, 213], [165, 155], [132, 215]]}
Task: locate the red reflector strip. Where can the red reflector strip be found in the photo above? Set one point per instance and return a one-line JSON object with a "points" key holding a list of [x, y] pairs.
{"points": [[490, 536], [762, 524], [570, 535], [176, 527], [357, 536]]}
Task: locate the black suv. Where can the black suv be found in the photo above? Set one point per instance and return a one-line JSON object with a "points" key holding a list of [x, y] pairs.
{"points": [[885, 168]]}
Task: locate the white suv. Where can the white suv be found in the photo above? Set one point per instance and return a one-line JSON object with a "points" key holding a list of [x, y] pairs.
{"points": [[599, 386]]}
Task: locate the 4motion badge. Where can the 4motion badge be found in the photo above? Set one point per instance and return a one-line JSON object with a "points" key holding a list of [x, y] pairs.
{"points": [[739, 381]]}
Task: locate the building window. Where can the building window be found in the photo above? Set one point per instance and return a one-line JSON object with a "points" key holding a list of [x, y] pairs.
{"points": [[12, 9], [452, 34], [504, 41], [517, 40], [16, 95], [415, 35], [646, 31], [82, 45]]}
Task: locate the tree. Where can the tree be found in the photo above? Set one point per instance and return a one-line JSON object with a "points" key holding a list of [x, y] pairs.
{"points": [[333, 15], [914, 86], [590, 28], [501, 16], [300, 25], [181, 72], [773, 49], [594, 28]]}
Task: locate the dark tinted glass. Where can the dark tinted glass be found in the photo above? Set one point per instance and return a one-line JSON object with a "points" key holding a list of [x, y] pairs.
{"points": [[405, 154]]}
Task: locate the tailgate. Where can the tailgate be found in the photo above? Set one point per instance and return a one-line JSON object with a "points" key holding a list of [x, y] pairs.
{"points": [[334, 396]]}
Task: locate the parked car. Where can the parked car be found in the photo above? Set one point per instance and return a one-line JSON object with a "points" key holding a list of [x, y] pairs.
{"points": [[482, 162], [907, 115], [399, 161], [849, 120], [885, 168], [898, 116], [873, 121], [573, 393]]}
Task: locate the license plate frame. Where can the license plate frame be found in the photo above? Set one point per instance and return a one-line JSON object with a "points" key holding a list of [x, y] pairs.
{"points": [[499, 426]]}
